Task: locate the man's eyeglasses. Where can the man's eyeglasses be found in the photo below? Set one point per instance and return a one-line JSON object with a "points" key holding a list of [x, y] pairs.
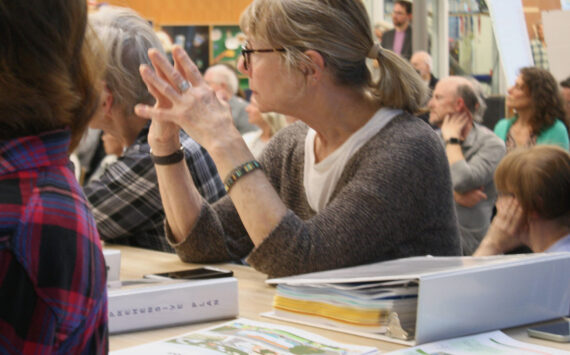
{"points": [[246, 53]]}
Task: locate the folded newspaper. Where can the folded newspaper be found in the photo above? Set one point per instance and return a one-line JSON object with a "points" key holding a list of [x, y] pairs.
{"points": [[244, 336]]}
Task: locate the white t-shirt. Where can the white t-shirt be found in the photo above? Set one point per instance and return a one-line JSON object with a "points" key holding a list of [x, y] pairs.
{"points": [[320, 179], [254, 142]]}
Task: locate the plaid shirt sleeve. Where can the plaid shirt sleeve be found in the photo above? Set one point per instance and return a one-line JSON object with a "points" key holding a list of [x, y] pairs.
{"points": [[52, 271], [126, 200], [539, 54]]}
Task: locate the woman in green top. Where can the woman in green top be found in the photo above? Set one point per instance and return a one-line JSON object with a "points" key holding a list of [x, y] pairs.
{"points": [[539, 108]]}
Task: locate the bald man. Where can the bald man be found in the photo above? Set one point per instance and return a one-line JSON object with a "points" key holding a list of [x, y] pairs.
{"points": [[473, 152], [422, 63], [225, 83]]}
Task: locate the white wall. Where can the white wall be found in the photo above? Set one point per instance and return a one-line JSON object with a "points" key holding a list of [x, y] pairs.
{"points": [[556, 25], [509, 26]]}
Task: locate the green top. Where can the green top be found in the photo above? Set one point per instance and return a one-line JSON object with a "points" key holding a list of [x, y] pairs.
{"points": [[555, 134]]}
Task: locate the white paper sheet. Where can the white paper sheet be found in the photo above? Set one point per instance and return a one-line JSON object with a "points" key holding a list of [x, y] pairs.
{"points": [[491, 343]]}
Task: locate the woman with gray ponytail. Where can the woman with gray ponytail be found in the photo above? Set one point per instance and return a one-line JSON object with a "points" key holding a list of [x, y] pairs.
{"points": [[359, 179]]}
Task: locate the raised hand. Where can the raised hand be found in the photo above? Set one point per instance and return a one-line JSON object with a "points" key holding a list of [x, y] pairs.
{"points": [[183, 99], [454, 125], [508, 229]]}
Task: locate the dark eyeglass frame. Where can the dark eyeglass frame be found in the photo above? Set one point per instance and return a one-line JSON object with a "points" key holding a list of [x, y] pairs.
{"points": [[247, 52]]}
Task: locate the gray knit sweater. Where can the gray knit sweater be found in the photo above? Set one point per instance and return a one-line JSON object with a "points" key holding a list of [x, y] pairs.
{"points": [[393, 200]]}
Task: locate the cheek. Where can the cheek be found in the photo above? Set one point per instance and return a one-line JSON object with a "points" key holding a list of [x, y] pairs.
{"points": [[97, 118], [438, 106]]}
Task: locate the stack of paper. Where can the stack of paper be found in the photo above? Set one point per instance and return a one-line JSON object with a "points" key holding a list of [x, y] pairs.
{"points": [[243, 336], [357, 306]]}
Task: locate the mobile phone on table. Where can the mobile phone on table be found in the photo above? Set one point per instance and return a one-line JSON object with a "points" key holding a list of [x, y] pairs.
{"points": [[205, 272], [558, 331]]}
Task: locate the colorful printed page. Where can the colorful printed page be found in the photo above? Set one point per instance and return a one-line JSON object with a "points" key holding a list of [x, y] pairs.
{"points": [[243, 336], [492, 343]]}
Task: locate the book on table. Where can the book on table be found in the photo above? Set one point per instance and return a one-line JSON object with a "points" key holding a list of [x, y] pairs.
{"points": [[422, 299], [157, 302], [244, 336]]}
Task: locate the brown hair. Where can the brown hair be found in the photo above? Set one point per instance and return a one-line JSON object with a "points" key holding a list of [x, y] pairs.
{"points": [[340, 31], [539, 178], [546, 98], [406, 4], [47, 72]]}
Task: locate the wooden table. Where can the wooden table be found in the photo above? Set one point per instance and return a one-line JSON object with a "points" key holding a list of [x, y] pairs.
{"points": [[255, 297]]}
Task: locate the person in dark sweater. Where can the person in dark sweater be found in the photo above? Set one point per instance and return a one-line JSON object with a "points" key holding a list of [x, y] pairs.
{"points": [[399, 39], [358, 180]]}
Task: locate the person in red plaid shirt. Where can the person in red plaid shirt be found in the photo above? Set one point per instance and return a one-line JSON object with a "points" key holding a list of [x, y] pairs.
{"points": [[52, 272]]}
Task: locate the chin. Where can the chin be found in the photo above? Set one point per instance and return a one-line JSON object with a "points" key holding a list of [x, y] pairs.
{"points": [[263, 108], [434, 121]]}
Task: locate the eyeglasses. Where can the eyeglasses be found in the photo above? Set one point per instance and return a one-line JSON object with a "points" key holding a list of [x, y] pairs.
{"points": [[246, 53]]}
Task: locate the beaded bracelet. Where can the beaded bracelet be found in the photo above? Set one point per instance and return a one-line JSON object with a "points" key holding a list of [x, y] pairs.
{"points": [[240, 171]]}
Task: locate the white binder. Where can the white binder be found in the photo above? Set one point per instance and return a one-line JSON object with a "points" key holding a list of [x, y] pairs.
{"points": [[464, 295]]}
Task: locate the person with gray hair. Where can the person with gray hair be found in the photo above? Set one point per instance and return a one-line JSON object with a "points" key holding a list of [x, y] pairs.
{"points": [[473, 151], [125, 200], [422, 63], [225, 83], [357, 179]]}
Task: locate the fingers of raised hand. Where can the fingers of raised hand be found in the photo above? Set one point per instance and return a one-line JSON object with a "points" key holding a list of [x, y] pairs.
{"points": [[516, 211], [162, 101], [155, 113], [167, 72], [157, 86], [185, 65]]}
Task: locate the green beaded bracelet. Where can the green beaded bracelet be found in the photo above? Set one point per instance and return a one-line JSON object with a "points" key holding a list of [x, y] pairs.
{"points": [[240, 171]]}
